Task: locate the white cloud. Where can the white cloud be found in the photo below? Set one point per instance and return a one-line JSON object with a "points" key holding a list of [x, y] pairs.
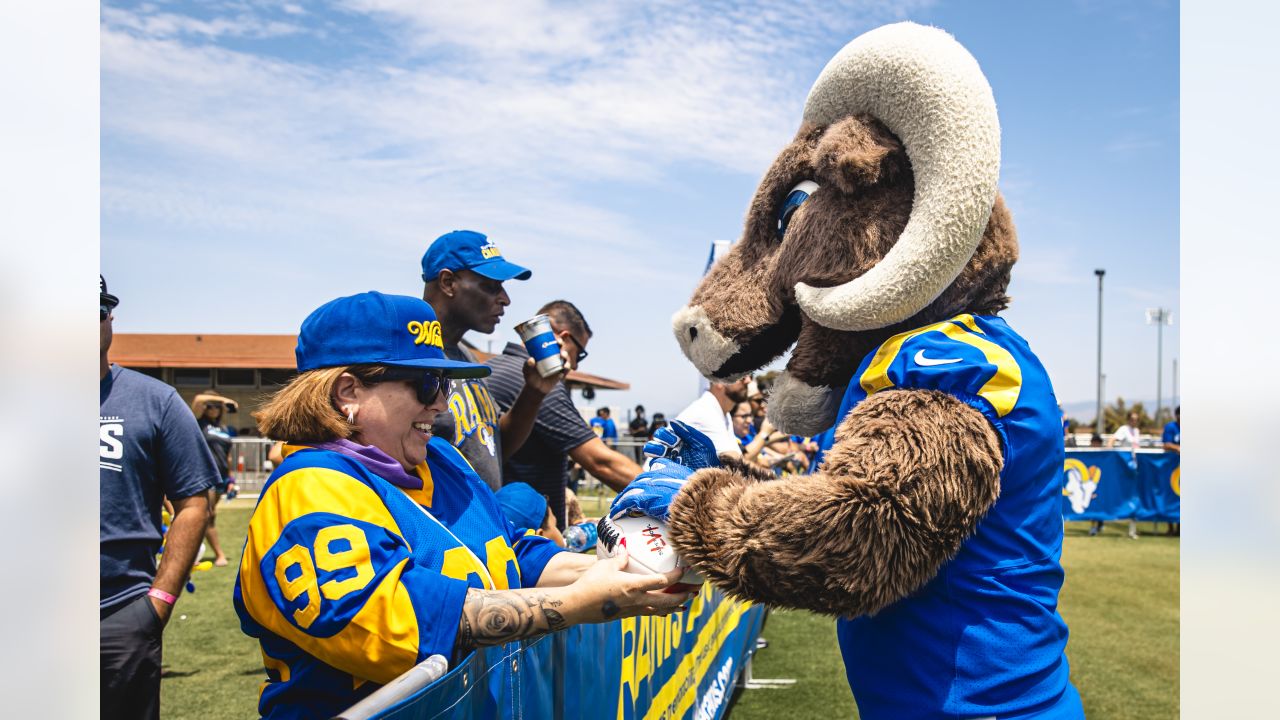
{"points": [[542, 88], [162, 25]]}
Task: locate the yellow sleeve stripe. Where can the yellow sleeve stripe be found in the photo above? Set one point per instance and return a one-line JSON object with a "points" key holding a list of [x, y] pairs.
{"points": [[1001, 390]]}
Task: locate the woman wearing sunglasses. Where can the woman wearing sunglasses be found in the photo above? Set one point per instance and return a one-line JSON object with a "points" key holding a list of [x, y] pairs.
{"points": [[375, 545]]}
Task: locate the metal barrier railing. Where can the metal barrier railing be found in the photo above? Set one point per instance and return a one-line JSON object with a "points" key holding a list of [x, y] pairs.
{"points": [[397, 691]]}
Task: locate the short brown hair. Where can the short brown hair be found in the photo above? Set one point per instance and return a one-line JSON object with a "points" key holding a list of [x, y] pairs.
{"points": [[567, 315], [303, 411]]}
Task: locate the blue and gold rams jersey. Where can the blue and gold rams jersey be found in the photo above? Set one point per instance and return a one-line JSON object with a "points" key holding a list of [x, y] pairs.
{"points": [[984, 636], [348, 580]]}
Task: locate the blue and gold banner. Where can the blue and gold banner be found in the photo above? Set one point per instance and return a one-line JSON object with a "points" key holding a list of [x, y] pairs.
{"points": [[1119, 484], [681, 666]]}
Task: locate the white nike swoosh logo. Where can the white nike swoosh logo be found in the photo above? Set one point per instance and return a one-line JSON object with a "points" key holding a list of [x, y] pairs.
{"points": [[922, 360]]}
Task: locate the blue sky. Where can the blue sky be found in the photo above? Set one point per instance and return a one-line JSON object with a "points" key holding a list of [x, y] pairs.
{"points": [[259, 159]]}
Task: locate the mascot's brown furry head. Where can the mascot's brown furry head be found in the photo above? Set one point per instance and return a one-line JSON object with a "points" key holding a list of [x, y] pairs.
{"points": [[881, 215]]}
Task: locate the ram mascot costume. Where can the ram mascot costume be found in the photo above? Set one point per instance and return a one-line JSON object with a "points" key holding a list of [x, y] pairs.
{"points": [[878, 248]]}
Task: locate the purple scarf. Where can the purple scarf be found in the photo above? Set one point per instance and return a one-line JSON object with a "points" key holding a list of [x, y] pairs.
{"points": [[375, 461]]}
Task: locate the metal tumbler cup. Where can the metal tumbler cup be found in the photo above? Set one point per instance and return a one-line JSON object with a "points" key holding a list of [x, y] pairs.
{"points": [[541, 344]]}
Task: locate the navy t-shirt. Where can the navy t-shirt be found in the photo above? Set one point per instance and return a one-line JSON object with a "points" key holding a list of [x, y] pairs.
{"points": [[149, 446]]}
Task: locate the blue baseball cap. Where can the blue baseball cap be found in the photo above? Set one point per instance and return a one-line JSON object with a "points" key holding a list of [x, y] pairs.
{"points": [[469, 250], [372, 328], [524, 507]]}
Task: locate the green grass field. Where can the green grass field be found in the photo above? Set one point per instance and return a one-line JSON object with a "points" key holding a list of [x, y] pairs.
{"points": [[1120, 601]]}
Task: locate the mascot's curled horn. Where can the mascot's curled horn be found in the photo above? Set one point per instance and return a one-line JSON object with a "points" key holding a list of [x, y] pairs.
{"points": [[878, 245]]}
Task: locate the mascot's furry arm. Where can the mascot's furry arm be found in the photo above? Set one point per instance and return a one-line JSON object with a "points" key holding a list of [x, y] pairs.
{"points": [[911, 474]]}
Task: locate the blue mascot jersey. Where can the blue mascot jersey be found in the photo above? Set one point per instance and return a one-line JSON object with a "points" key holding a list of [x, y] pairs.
{"points": [[984, 636], [348, 580]]}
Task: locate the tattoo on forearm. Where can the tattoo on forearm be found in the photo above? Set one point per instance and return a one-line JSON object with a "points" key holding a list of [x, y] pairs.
{"points": [[494, 618], [609, 609], [555, 621]]}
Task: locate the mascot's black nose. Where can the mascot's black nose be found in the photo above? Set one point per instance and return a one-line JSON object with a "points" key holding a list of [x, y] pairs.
{"points": [[693, 333]]}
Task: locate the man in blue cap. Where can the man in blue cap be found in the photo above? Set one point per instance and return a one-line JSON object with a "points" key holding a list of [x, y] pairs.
{"points": [[463, 272]]}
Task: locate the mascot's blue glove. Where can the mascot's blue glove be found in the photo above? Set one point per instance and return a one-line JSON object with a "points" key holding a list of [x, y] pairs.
{"points": [[651, 493], [685, 444]]}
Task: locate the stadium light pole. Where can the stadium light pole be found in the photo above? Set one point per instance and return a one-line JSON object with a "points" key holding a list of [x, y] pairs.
{"points": [[1098, 421], [1159, 317]]}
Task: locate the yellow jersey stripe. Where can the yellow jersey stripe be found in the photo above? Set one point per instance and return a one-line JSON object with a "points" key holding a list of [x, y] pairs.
{"points": [[1002, 390]]}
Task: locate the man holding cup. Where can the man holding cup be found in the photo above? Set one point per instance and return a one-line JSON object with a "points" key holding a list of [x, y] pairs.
{"points": [[559, 429]]}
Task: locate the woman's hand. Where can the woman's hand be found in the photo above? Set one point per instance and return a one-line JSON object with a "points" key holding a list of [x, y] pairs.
{"points": [[603, 593], [607, 592]]}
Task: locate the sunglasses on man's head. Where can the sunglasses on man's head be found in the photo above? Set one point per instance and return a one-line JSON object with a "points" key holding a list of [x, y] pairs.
{"points": [[425, 383]]}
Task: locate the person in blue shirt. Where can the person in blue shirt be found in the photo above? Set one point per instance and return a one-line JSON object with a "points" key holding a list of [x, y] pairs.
{"points": [[1172, 437], [374, 544], [149, 448], [528, 511], [604, 427], [1171, 440]]}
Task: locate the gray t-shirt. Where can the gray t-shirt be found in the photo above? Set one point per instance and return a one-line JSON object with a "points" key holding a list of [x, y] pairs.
{"points": [[149, 447], [471, 423]]}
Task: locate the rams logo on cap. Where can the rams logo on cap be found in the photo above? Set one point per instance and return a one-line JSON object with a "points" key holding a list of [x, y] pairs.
{"points": [[490, 251], [427, 333]]}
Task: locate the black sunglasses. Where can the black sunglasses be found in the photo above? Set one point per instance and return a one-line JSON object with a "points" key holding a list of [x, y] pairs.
{"points": [[105, 309], [425, 383], [582, 354]]}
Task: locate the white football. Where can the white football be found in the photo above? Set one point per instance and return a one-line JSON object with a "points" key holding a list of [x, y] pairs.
{"points": [[648, 551]]}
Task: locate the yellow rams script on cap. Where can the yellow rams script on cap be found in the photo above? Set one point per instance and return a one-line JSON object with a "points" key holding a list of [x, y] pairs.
{"points": [[427, 333]]}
